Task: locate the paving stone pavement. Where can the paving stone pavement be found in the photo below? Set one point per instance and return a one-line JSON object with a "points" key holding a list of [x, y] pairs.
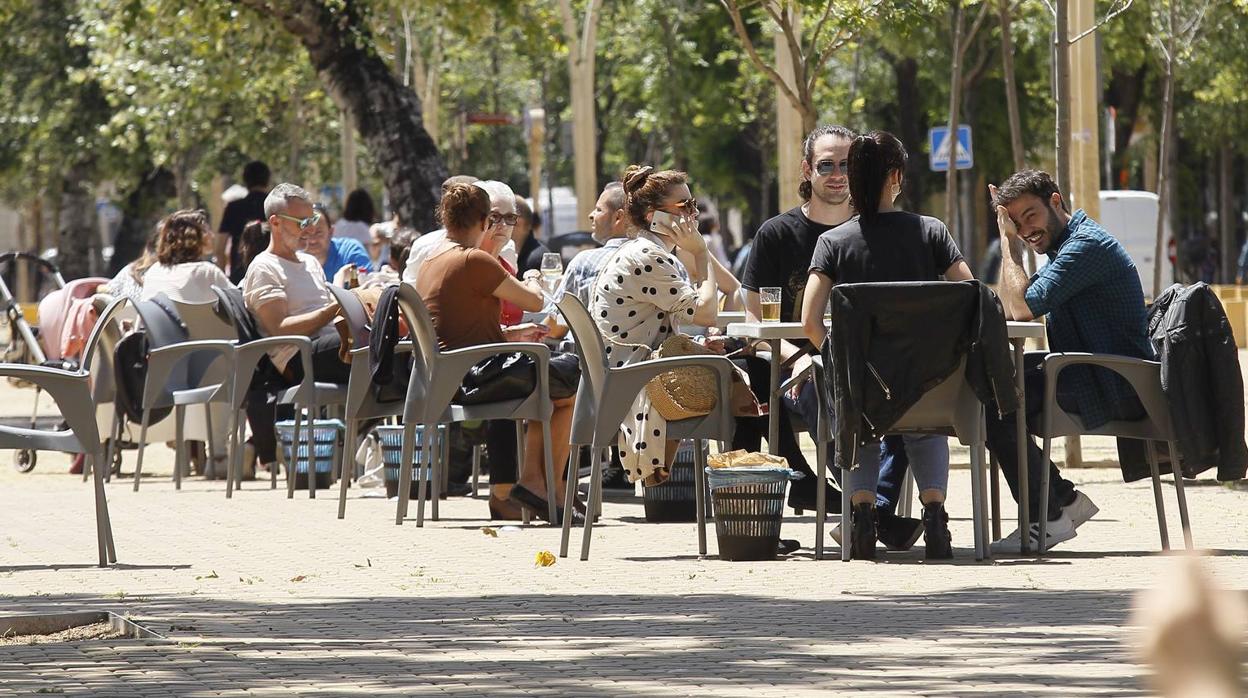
{"points": [[261, 595]]}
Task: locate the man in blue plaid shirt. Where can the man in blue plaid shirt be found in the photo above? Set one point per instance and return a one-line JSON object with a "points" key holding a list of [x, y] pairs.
{"points": [[1090, 291]]}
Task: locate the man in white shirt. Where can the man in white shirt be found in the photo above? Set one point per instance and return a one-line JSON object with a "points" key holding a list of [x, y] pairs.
{"points": [[285, 290]]}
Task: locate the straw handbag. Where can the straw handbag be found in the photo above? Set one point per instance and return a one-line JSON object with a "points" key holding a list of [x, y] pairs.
{"points": [[690, 391]]}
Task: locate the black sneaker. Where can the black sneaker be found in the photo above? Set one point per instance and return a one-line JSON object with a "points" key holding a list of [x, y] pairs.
{"points": [[936, 536], [802, 496], [862, 537], [897, 533]]}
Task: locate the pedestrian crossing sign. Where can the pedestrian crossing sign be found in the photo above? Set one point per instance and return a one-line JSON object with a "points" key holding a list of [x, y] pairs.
{"points": [[939, 142]]}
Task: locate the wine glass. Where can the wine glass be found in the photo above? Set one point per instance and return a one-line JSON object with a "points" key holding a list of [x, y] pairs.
{"points": [[552, 271]]}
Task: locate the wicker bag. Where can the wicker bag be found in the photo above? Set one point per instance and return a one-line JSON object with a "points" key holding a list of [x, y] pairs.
{"points": [[686, 392]]}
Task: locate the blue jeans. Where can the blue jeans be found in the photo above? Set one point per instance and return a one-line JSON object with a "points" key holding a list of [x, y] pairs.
{"points": [[894, 463], [928, 455]]}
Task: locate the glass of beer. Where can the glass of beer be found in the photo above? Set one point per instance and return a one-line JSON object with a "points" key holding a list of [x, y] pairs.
{"points": [[769, 298], [552, 271]]}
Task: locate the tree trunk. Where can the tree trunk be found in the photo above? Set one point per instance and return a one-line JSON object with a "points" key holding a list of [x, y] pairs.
{"points": [[79, 233], [1011, 88], [1226, 224], [388, 114], [582, 47], [1061, 75], [911, 128], [955, 104], [1163, 166]]}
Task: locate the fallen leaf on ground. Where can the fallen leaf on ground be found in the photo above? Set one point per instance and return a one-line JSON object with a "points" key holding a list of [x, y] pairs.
{"points": [[299, 578], [545, 558], [489, 532]]}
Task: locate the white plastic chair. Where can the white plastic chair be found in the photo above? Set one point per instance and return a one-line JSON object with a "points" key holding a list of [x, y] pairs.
{"points": [[606, 395], [436, 376]]}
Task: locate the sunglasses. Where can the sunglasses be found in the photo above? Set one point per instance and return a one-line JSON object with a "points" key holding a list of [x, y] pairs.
{"points": [[827, 167], [504, 218], [686, 206], [303, 223]]}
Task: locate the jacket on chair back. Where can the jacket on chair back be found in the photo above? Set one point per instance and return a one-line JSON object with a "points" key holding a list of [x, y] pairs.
{"points": [[891, 342], [1201, 380]]}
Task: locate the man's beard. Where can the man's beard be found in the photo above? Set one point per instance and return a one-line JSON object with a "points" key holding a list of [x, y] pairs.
{"points": [[1054, 226], [831, 198]]}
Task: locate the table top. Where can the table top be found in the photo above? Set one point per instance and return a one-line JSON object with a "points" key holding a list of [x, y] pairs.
{"points": [[1024, 330], [765, 330]]}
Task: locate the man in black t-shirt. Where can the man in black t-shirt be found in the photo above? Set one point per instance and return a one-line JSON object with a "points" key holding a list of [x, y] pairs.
{"points": [[238, 214], [780, 257]]}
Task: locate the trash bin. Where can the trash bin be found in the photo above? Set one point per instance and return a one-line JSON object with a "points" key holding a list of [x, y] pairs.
{"points": [[673, 501], [391, 440], [326, 440], [749, 506]]}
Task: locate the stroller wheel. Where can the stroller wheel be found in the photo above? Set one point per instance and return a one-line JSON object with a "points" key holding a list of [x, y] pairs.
{"points": [[24, 460]]}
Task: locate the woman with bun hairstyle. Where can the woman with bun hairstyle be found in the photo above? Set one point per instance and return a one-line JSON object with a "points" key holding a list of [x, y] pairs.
{"points": [[463, 287], [882, 244], [643, 295]]}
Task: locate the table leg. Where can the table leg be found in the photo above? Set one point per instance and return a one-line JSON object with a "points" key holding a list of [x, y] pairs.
{"points": [[773, 402], [1020, 426], [996, 496]]}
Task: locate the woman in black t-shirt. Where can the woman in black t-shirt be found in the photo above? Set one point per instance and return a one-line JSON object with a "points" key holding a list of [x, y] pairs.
{"points": [[881, 244]]}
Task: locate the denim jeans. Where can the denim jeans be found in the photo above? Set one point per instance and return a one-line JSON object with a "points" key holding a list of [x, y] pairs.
{"points": [[894, 463], [928, 455]]}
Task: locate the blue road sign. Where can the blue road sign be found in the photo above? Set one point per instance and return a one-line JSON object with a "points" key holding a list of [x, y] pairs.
{"points": [[938, 142]]}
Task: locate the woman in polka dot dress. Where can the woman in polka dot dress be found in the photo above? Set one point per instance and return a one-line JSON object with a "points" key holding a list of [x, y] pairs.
{"points": [[641, 298]]}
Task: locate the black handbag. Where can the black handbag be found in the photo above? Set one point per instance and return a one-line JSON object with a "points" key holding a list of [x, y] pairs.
{"points": [[498, 378], [514, 376]]}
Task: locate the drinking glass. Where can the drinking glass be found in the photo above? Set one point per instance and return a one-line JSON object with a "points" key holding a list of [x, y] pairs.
{"points": [[769, 298], [552, 271]]}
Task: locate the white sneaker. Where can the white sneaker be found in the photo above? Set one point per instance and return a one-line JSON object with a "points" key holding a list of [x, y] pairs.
{"points": [[1080, 510], [1057, 531]]}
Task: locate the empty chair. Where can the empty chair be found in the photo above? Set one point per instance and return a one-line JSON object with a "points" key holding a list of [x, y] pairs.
{"points": [[603, 400], [71, 391]]}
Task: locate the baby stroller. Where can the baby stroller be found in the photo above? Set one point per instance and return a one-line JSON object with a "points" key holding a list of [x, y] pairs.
{"points": [[43, 344]]}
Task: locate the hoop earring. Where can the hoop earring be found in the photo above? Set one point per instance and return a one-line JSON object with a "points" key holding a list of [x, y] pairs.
{"points": [[896, 190]]}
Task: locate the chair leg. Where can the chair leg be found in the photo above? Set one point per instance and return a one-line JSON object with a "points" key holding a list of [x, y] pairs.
{"points": [[994, 480], [699, 494], [180, 457], [406, 451], [240, 441], [907, 495], [847, 530], [440, 457], [292, 466], [1159, 502], [569, 496], [231, 452], [1042, 516], [113, 446], [1177, 470], [138, 463], [552, 489], [428, 455], [210, 451], [525, 514], [103, 527], [476, 468], [976, 501], [346, 471], [595, 499], [821, 494]]}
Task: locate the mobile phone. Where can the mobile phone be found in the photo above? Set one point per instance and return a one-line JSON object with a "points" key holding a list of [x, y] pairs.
{"points": [[663, 217]]}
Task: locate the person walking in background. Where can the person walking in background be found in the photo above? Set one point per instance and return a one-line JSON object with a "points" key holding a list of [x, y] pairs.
{"points": [[228, 250], [358, 215]]}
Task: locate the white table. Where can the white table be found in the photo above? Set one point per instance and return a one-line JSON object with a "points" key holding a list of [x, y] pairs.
{"points": [[773, 333], [1019, 333], [726, 317]]}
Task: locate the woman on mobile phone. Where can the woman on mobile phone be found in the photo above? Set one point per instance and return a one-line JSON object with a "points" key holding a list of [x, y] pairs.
{"points": [[643, 294]]}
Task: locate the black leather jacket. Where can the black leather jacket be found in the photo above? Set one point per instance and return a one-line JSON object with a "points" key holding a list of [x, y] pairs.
{"points": [[892, 342], [1201, 380]]}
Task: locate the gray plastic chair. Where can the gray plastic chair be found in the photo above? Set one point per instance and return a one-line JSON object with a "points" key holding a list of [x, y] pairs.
{"points": [[606, 395], [951, 408], [1145, 378], [71, 391], [246, 358], [436, 376], [179, 375]]}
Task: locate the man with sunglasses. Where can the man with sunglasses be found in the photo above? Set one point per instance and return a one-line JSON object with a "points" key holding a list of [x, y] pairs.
{"points": [[285, 290]]}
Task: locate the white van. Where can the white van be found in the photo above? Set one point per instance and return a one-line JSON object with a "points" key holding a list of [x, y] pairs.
{"points": [[1131, 217]]}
